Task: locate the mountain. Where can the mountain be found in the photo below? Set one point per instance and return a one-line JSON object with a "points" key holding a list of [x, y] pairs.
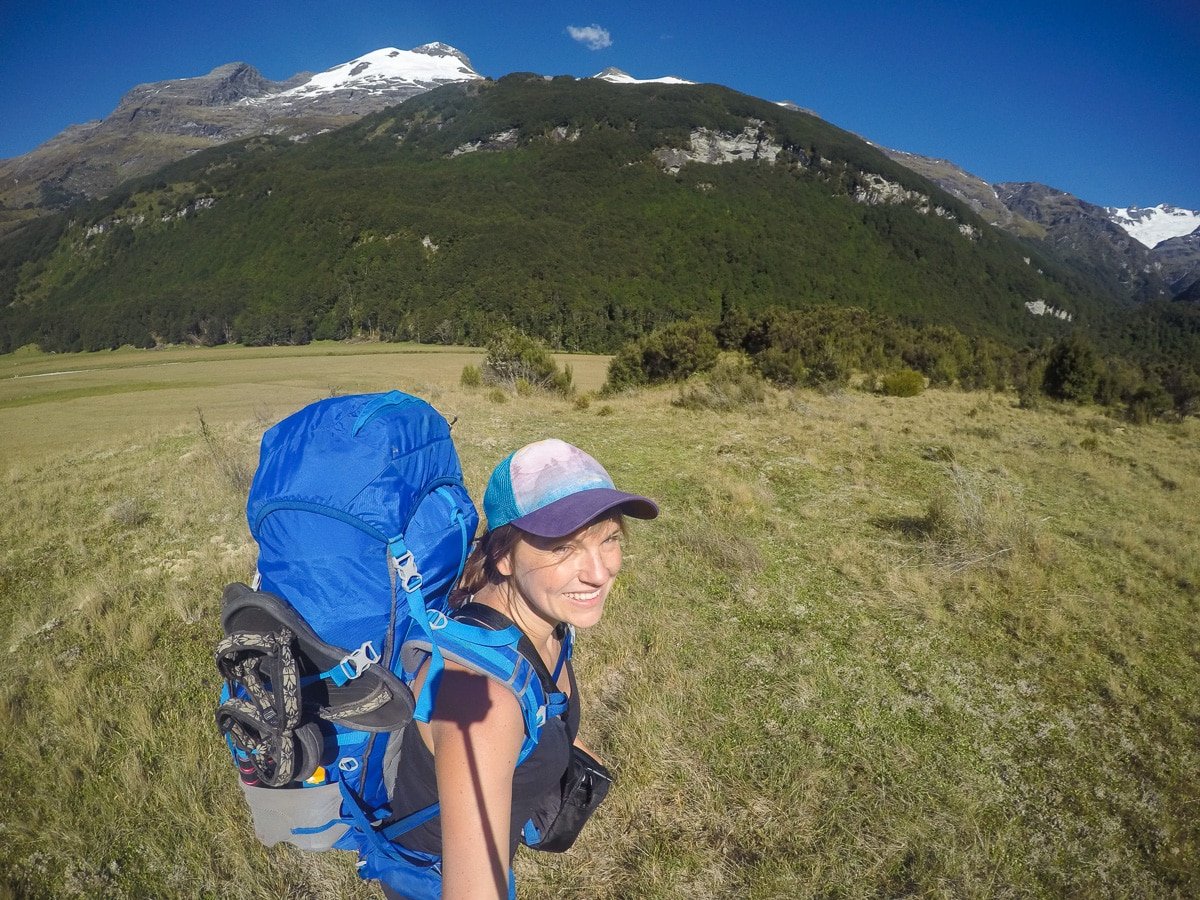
{"points": [[1178, 259], [158, 123], [582, 211], [369, 83], [972, 190], [1083, 234], [1140, 254], [1173, 236], [1153, 225]]}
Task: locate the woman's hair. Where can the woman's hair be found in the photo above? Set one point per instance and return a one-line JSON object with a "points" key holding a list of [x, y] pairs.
{"points": [[482, 567], [482, 564]]}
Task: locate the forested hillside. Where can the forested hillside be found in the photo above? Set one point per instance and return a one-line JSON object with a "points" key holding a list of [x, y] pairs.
{"points": [[563, 222], [566, 221]]}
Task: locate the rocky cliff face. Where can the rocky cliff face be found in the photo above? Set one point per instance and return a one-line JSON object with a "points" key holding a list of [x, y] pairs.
{"points": [[1179, 261], [971, 189]]}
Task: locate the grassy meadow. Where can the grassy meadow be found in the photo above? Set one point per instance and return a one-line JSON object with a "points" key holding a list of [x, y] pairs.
{"points": [[874, 647]]}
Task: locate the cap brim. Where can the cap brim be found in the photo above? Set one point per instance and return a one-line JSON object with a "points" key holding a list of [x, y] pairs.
{"points": [[570, 513]]}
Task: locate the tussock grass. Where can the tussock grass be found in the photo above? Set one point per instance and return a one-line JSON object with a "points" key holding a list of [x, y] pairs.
{"points": [[932, 646]]}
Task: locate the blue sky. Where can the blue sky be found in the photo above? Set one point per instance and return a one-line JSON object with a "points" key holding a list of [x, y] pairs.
{"points": [[1098, 98]]}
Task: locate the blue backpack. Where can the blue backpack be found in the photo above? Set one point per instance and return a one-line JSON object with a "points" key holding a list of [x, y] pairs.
{"points": [[363, 527]]}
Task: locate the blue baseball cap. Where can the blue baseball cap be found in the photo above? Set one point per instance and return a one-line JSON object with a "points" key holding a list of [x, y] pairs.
{"points": [[551, 489]]}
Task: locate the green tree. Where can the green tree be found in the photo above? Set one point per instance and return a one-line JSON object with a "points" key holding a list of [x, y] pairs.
{"points": [[1072, 371]]}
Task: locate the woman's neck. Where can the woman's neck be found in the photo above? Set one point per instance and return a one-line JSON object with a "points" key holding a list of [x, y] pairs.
{"points": [[507, 599]]}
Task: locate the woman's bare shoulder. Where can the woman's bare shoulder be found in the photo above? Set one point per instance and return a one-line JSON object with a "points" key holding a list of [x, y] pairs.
{"points": [[467, 699]]}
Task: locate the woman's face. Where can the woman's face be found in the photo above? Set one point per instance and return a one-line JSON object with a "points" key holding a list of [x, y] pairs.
{"points": [[566, 579]]}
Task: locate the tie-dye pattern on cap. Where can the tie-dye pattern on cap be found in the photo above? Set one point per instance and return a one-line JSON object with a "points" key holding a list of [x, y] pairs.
{"points": [[550, 470]]}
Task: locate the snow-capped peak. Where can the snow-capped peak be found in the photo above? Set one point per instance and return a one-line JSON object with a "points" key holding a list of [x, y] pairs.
{"points": [[616, 76], [1153, 225], [427, 66]]}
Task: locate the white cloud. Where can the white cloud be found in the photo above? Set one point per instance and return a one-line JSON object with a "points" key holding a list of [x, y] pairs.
{"points": [[594, 36]]}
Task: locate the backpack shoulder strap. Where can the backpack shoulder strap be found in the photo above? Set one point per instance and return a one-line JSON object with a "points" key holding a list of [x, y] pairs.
{"points": [[494, 620], [491, 651]]}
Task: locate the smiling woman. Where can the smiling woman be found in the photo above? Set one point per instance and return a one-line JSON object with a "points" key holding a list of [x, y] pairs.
{"points": [[546, 565]]}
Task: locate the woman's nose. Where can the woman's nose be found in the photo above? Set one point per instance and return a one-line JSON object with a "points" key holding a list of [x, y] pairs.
{"points": [[595, 568]]}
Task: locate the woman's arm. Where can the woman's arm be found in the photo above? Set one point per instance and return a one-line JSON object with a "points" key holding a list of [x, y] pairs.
{"points": [[477, 731], [586, 749]]}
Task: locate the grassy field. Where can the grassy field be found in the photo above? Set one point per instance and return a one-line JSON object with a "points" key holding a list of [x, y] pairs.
{"points": [[935, 646]]}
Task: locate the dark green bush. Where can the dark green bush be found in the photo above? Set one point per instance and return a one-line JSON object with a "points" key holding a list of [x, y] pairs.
{"points": [[1072, 371], [471, 377], [783, 367], [671, 353], [625, 370], [1148, 403], [513, 357], [679, 350], [828, 370]]}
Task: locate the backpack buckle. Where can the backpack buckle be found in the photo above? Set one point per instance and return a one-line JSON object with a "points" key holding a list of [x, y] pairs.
{"points": [[354, 664], [406, 569]]}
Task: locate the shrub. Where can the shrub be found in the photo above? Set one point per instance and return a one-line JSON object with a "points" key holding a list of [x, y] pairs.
{"points": [[731, 384], [1117, 381], [735, 324], [583, 401], [1184, 387], [498, 395], [782, 367], [828, 371], [513, 356], [471, 377], [672, 353], [1148, 403], [905, 383], [625, 369], [678, 351]]}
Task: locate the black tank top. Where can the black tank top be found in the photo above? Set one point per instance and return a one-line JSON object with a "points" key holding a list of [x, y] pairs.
{"points": [[541, 772]]}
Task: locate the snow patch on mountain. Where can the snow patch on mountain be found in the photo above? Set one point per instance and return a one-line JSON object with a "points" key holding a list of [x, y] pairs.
{"points": [[1153, 225], [381, 72], [614, 75]]}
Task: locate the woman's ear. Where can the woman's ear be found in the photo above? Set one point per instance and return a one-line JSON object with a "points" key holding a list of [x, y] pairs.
{"points": [[504, 564]]}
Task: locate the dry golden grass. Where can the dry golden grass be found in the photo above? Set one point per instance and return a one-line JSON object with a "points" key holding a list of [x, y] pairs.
{"points": [[51, 403], [934, 646]]}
